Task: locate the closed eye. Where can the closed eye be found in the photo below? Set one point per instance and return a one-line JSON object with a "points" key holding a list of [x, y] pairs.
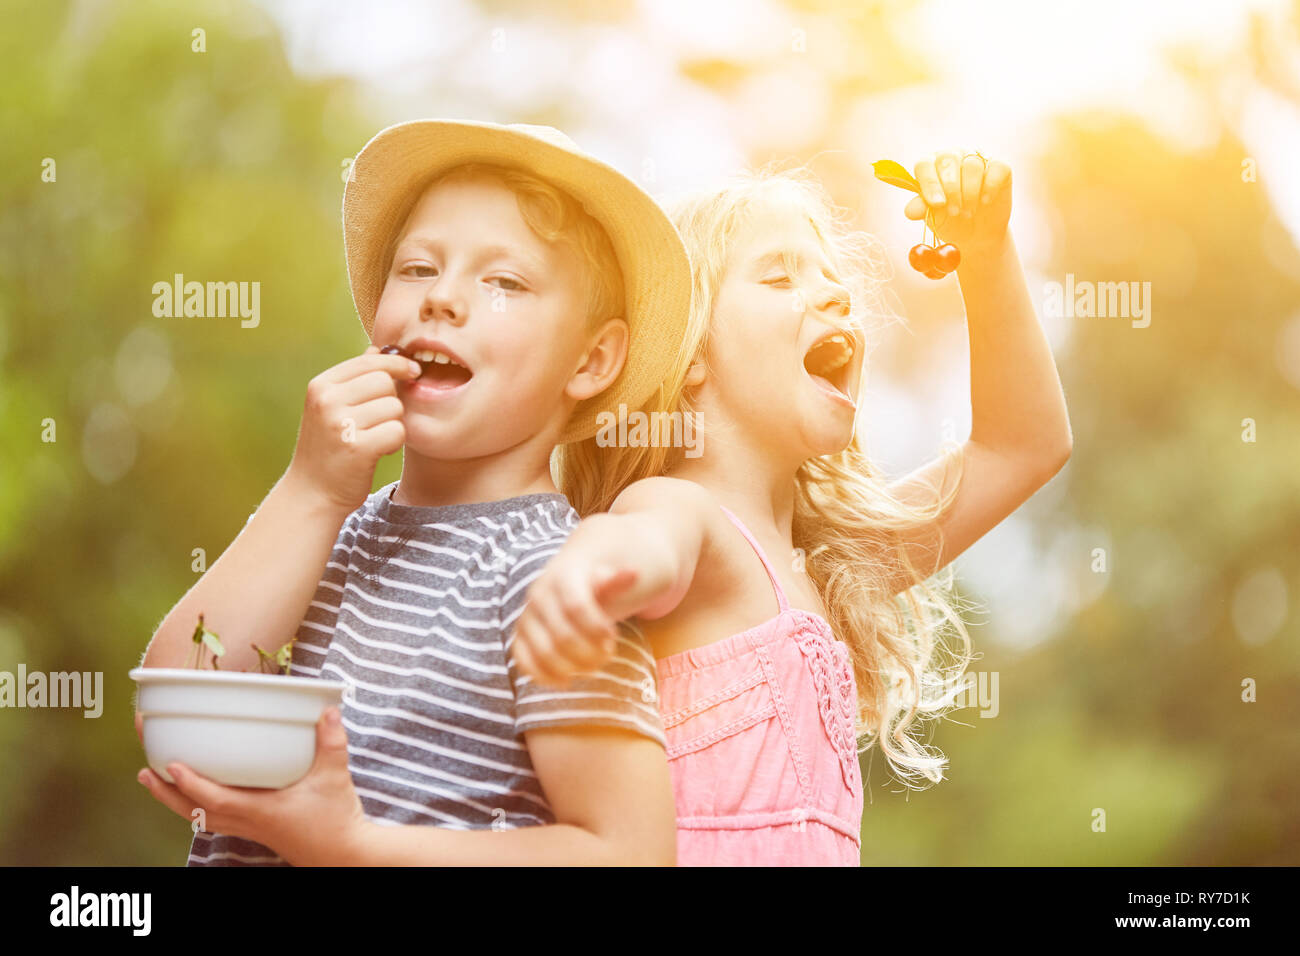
{"points": [[776, 280]]}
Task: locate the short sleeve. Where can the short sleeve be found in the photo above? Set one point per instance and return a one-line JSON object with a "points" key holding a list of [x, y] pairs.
{"points": [[624, 693], [316, 631]]}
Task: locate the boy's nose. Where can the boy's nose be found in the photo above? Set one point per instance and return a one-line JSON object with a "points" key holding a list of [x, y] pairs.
{"points": [[443, 301]]}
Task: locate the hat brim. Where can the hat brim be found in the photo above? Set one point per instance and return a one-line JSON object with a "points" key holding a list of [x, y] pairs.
{"points": [[656, 271]]}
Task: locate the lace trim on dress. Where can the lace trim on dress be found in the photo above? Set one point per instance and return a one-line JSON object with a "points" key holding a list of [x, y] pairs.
{"points": [[832, 673]]}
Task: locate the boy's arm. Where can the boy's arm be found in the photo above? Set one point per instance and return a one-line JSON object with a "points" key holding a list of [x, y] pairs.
{"points": [[609, 789], [260, 587], [597, 746]]}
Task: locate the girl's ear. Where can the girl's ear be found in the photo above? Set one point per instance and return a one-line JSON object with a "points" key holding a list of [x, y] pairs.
{"points": [[695, 376]]}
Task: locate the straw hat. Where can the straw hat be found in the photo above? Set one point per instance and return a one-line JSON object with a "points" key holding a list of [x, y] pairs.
{"points": [[656, 273]]}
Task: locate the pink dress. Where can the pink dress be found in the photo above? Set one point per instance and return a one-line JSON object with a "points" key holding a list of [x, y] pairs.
{"points": [[761, 744]]}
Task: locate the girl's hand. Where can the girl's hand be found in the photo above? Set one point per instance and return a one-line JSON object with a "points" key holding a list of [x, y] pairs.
{"points": [[570, 622], [314, 822], [966, 201], [352, 417]]}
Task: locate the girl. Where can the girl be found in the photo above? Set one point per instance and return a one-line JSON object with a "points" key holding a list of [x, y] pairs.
{"points": [[783, 535]]}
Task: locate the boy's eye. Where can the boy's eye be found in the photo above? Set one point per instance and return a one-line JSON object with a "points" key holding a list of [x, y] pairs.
{"points": [[507, 283]]}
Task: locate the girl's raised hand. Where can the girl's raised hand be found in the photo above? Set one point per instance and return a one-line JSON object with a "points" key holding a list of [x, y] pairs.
{"points": [[967, 200]]}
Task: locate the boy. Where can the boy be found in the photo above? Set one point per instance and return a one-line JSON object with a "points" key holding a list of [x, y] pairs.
{"points": [[515, 275]]}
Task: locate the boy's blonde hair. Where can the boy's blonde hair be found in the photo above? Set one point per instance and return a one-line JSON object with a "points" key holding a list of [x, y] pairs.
{"points": [[847, 525], [554, 216]]}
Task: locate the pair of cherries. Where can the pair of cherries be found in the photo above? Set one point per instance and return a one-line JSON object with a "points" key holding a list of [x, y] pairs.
{"points": [[934, 262]]}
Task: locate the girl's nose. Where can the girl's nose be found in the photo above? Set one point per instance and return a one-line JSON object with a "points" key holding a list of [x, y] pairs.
{"points": [[833, 298]]}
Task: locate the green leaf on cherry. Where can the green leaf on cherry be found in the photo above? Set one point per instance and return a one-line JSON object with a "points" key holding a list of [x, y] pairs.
{"points": [[888, 171]]}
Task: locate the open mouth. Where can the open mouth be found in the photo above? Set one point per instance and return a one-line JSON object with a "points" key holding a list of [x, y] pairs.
{"points": [[440, 369], [830, 360]]}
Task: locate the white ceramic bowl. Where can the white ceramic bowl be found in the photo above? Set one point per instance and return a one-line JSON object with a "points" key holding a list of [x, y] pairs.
{"points": [[242, 730]]}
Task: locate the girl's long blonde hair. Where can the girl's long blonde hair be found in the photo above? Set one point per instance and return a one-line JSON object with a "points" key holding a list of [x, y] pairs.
{"points": [[847, 527]]}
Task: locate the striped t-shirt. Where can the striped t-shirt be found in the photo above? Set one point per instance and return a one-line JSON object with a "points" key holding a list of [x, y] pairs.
{"points": [[415, 613]]}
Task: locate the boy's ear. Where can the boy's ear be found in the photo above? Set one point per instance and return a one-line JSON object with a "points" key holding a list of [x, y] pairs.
{"points": [[602, 362]]}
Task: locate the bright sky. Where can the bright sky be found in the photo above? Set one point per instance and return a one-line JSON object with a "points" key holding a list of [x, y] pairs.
{"points": [[1002, 66]]}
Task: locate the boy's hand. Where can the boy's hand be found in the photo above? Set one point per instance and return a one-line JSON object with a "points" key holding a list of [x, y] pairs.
{"points": [[967, 201], [352, 417], [570, 624], [317, 821]]}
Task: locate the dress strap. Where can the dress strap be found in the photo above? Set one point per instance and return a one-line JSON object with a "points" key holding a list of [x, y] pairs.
{"points": [[767, 565]]}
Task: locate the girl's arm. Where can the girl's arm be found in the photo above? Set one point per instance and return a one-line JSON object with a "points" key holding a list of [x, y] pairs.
{"points": [[1020, 432], [636, 560], [611, 794]]}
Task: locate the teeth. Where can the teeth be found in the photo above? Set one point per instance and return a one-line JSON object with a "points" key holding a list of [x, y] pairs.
{"points": [[830, 354], [437, 358]]}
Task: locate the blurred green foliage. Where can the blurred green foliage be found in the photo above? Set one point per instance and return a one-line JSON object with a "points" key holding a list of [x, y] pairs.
{"points": [[225, 165], [222, 166]]}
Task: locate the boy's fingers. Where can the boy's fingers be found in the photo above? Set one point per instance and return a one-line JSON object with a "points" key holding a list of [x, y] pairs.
{"points": [[916, 208], [398, 366], [166, 794]]}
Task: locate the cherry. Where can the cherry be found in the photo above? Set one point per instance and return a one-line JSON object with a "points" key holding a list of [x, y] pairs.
{"points": [[947, 258], [922, 257], [935, 273], [390, 350]]}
